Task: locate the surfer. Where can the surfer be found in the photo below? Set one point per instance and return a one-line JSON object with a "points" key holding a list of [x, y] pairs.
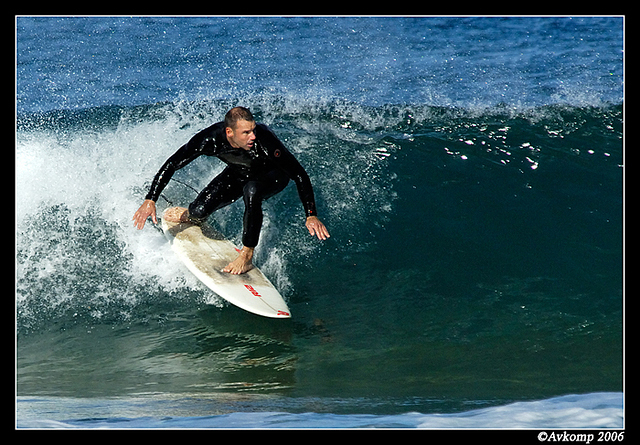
{"points": [[258, 167]]}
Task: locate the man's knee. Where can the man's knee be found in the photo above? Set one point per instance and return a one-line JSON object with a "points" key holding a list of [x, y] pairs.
{"points": [[197, 213], [252, 194]]}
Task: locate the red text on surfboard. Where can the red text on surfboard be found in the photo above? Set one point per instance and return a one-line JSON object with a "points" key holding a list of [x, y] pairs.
{"points": [[252, 290]]}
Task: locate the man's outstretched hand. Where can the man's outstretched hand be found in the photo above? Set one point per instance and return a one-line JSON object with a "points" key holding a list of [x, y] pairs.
{"points": [[148, 208], [316, 228]]}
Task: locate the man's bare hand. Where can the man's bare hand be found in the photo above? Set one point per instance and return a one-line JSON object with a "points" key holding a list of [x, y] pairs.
{"points": [[148, 208], [316, 228]]}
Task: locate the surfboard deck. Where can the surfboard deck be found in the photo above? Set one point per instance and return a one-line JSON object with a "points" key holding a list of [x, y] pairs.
{"points": [[206, 252]]}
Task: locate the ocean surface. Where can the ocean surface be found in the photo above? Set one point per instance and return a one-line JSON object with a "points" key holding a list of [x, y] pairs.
{"points": [[470, 171]]}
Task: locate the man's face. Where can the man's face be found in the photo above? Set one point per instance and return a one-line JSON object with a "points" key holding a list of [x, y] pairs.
{"points": [[243, 136]]}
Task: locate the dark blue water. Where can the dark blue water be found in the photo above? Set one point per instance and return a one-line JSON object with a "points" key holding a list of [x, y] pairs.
{"points": [[70, 63], [470, 171]]}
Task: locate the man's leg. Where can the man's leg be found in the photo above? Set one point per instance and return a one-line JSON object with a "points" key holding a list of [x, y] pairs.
{"points": [[223, 190], [254, 192]]}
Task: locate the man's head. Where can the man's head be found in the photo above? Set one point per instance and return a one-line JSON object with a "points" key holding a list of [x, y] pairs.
{"points": [[240, 128]]}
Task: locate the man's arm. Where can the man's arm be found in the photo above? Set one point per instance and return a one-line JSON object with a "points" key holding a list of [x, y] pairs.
{"points": [[287, 162], [179, 159]]}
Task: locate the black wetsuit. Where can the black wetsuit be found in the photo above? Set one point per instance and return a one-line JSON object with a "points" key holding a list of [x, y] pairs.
{"points": [[255, 174]]}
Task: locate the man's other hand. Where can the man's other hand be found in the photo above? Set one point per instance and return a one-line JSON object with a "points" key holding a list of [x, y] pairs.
{"points": [[148, 208]]}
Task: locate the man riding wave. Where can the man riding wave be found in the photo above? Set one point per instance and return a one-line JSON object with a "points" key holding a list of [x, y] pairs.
{"points": [[258, 167]]}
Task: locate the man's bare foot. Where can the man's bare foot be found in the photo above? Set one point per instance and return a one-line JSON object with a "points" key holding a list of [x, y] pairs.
{"points": [[241, 264], [176, 214]]}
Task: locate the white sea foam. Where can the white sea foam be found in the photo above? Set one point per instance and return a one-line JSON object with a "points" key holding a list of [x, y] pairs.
{"points": [[83, 187], [594, 410]]}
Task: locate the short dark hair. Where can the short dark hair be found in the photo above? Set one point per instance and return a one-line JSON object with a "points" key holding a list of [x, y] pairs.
{"points": [[237, 114]]}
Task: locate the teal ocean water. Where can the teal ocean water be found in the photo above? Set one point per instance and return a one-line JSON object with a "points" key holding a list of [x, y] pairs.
{"points": [[470, 171]]}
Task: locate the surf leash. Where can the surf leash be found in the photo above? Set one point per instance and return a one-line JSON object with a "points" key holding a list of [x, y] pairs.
{"points": [[157, 227]]}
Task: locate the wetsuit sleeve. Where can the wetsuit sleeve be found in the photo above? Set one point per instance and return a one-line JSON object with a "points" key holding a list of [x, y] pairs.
{"points": [[303, 184], [287, 162], [185, 154]]}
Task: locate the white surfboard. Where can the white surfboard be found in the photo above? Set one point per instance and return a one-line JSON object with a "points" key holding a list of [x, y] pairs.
{"points": [[206, 252]]}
